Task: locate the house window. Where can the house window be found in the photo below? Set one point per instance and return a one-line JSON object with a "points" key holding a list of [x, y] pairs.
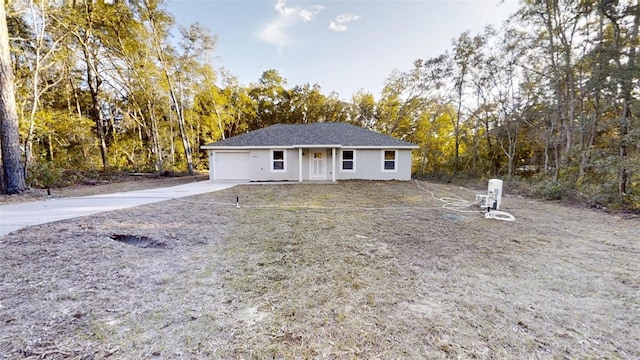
{"points": [[278, 160], [389, 158], [348, 160]]}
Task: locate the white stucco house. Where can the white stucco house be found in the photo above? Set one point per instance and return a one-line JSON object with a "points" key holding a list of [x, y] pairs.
{"points": [[308, 152]]}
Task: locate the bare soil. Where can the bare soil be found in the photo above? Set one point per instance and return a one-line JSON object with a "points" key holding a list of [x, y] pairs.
{"points": [[375, 270]]}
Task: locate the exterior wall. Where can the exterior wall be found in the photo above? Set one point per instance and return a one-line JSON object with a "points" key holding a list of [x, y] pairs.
{"points": [[405, 164], [369, 165], [262, 167]]}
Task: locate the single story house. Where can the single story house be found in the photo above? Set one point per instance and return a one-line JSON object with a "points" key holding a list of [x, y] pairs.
{"points": [[317, 151]]}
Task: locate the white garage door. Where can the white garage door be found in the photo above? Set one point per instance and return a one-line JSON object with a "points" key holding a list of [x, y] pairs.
{"points": [[232, 166]]}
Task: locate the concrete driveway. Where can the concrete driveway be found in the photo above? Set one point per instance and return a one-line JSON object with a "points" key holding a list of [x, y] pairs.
{"points": [[17, 216]]}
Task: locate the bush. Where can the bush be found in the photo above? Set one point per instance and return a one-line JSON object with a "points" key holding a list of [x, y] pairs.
{"points": [[44, 175], [631, 202], [550, 190]]}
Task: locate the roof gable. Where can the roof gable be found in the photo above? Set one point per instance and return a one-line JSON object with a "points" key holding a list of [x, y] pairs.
{"points": [[289, 135]]}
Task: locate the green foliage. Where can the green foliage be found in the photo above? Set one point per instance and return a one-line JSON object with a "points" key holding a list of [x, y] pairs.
{"points": [[551, 190], [44, 175], [502, 103], [47, 175]]}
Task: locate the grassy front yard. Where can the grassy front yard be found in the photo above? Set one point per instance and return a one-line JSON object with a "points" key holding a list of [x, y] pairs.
{"points": [[353, 270]]}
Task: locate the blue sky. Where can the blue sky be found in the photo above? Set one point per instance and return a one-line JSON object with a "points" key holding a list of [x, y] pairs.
{"points": [[343, 45]]}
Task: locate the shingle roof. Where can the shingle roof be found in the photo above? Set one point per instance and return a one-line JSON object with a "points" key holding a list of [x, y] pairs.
{"points": [[285, 135]]}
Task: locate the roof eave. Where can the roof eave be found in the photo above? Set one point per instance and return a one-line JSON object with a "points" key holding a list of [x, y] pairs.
{"points": [[231, 147], [403, 147], [310, 146]]}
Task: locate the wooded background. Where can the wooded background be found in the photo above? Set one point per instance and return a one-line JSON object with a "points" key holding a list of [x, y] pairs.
{"points": [[550, 98]]}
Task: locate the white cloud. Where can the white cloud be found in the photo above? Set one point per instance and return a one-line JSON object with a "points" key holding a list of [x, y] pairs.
{"points": [[341, 21], [347, 18], [275, 32], [337, 27]]}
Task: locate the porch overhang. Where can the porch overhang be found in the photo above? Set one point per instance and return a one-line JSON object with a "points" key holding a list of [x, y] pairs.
{"points": [[333, 148]]}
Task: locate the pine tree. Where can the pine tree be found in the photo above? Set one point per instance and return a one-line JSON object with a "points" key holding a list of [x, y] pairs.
{"points": [[14, 181]]}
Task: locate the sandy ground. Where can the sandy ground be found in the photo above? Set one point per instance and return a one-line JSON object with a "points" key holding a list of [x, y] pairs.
{"points": [[353, 270]]}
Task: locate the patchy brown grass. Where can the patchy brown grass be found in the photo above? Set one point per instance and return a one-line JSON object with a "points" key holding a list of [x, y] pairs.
{"points": [[353, 270]]}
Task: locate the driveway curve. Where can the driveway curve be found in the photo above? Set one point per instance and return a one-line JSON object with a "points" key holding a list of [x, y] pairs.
{"points": [[17, 216]]}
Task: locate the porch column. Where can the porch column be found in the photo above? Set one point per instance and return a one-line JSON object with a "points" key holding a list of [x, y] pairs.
{"points": [[212, 166], [333, 160], [300, 164]]}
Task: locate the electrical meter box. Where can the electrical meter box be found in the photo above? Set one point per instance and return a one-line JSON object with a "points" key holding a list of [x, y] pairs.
{"points": [[495, 191]]}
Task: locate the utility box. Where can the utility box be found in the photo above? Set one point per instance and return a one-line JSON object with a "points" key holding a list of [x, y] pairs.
{"points": [[495, 193]]}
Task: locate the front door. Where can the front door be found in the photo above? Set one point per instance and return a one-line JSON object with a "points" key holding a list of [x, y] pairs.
{"points": [[317, 165]]}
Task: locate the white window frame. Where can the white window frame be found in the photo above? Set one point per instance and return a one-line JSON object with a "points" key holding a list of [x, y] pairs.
{"points": [[284, 161], [395, 161], [352, 160]]}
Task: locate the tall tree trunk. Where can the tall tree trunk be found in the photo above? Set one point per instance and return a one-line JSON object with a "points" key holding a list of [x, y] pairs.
{"points": [[560, 55], [96, 112], [182, 125], [13, 170], [215, 106], [456, 134], [177, 104], [50, 144], [456, 124], [172, 136], [155, 139], [35, 91], [591, 128], [625, 72], [94, 81], [627, 89]]}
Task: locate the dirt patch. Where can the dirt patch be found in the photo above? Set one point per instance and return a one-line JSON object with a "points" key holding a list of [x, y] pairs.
{"points": [[139, 241], [353, 270]]}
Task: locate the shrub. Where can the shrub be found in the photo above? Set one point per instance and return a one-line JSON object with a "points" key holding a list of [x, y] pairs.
{"points": [[551, 190], [44, 175]]}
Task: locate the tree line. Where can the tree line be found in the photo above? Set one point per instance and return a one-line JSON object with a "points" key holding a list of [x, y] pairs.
{"points": [[550, 96]]}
